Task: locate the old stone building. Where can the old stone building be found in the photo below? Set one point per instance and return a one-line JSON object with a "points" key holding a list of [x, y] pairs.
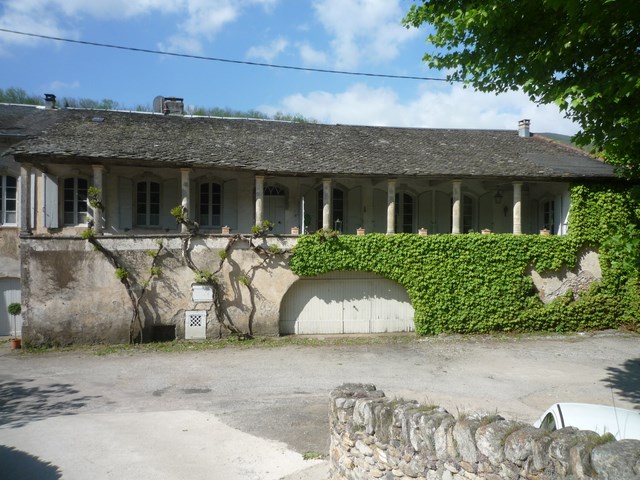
{"points": [[229, 175]]}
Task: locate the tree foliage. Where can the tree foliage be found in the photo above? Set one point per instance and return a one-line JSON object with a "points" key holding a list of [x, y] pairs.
{"points": [[583, 55]]}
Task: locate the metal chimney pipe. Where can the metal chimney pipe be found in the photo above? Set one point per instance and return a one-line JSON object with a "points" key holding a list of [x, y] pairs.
{"points": [[49, 101]]}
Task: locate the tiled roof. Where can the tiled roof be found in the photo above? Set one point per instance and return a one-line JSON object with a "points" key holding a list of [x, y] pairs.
{"points": [[281, 148], [21, 121]]}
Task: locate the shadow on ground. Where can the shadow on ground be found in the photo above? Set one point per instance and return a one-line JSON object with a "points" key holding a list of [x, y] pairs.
{"points": [[625, 380], [19, 464], [21, 403]]}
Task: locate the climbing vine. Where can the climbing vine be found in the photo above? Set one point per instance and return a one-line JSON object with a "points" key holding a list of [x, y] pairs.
{"points": [[479, 283], [135, 287], [211, 278]]}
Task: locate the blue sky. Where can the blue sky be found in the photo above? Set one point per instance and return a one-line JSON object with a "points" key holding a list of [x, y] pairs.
{"points": [[353, 35]]}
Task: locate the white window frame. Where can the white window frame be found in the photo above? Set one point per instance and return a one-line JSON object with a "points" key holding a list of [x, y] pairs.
{"points": [[400, 211], [77, 202], [209, 223], [3, 202], [147, 204]]}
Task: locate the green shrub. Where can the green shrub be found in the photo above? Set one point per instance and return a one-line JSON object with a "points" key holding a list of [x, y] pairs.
{"points": [[478, 283]]}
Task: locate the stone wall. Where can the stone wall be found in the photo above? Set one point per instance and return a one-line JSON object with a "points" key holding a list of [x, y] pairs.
{"points": [[375, 437], [70, 293]]}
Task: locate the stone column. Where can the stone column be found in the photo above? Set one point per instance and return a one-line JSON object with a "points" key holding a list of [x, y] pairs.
{"points": [[98, 214], [326, 204], [259, 198], [517, 208], [25, 199], [185, 181], [391, 206], [456, 224]]}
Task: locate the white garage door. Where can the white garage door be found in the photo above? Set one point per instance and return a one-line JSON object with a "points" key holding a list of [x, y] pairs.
{"points": [[9, 293], [346, 302]]}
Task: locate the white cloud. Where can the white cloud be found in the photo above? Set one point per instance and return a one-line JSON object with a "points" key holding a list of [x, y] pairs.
{"points": [[61, 86], [311, 56], [196, 19], [363, 30], [454, 107], [268, 52]]}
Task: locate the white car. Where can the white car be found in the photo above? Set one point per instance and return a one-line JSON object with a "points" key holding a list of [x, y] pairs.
{"points": [[601, 419]]}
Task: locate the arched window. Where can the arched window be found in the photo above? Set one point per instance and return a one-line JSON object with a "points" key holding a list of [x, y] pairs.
{"points": [[337, 210], [274, 206], [404, 213], [210, 204], [148, 204], [548, 215], [467, 214], [8, 200], [75, 201]]}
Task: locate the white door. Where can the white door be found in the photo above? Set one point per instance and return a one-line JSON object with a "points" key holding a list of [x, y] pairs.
{"points": [[346, 302], [9, 293]]}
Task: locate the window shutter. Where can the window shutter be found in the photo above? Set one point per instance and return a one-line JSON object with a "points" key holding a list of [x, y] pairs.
{"points": [[354, 208], [125, 197], [171, 196], [50, 201], [230, 204], [32, 179]]}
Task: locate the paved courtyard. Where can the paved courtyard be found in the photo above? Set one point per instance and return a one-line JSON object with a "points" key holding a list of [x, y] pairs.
{"points": [[251, 413]]}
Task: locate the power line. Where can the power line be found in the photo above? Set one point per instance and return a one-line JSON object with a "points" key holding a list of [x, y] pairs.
{"points": [[224, 60]]}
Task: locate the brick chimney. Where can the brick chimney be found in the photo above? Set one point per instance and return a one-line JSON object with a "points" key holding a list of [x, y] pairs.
{"points": [[49, 101], [523, 128]]}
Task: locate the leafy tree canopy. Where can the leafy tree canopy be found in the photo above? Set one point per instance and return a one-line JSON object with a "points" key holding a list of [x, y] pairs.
{"points": [[583, 55]]}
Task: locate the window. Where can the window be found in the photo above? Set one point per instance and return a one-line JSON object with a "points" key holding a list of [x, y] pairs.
{"points": [[548, 215], [8, 200], [274, 207], [467, 214], [148, 204], [210, 205], [337, 211], [75, 201], [404, 213]]}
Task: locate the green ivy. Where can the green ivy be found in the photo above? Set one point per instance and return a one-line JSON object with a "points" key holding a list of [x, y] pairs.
{"points": [[480, 283]]}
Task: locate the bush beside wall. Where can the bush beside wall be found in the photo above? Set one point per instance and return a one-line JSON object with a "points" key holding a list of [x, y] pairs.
{"points": [[375, 437]]}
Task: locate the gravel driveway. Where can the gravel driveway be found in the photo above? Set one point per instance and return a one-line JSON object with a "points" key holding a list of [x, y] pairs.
{"points": [[251, 412]]}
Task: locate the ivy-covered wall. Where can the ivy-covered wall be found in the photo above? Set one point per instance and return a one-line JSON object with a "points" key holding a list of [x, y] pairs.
{"points": [[478, 283]]}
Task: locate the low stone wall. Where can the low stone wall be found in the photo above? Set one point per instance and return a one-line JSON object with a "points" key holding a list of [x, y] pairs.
{"points": [[375, 437]]}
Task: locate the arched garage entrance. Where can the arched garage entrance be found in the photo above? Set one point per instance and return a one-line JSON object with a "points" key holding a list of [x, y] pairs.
{"points": [[345, 302]]}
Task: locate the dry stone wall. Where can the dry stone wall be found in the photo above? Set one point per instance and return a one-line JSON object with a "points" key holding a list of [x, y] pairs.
{"points": [[373, 437]]}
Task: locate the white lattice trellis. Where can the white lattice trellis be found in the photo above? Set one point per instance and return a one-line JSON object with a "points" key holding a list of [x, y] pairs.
{"points": [[195, 325]]}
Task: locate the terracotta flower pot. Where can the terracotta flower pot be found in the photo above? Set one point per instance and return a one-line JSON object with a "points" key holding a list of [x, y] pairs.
{"points": [[15, 343]]}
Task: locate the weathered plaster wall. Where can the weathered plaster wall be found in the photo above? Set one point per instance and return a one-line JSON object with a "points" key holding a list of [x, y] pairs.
{"points": [[71, 294], [9, 253], [376, 437], [551, 285]]}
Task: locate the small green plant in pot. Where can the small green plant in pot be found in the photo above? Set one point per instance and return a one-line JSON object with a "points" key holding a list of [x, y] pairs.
{"points": [[15, 309]]}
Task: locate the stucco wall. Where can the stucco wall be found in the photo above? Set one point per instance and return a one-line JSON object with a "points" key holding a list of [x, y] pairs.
{"points": [[71, 294], [9, 253]]}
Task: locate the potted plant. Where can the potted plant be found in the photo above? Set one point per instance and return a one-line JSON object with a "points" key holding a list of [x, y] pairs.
{"points": [[15, 309]]}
